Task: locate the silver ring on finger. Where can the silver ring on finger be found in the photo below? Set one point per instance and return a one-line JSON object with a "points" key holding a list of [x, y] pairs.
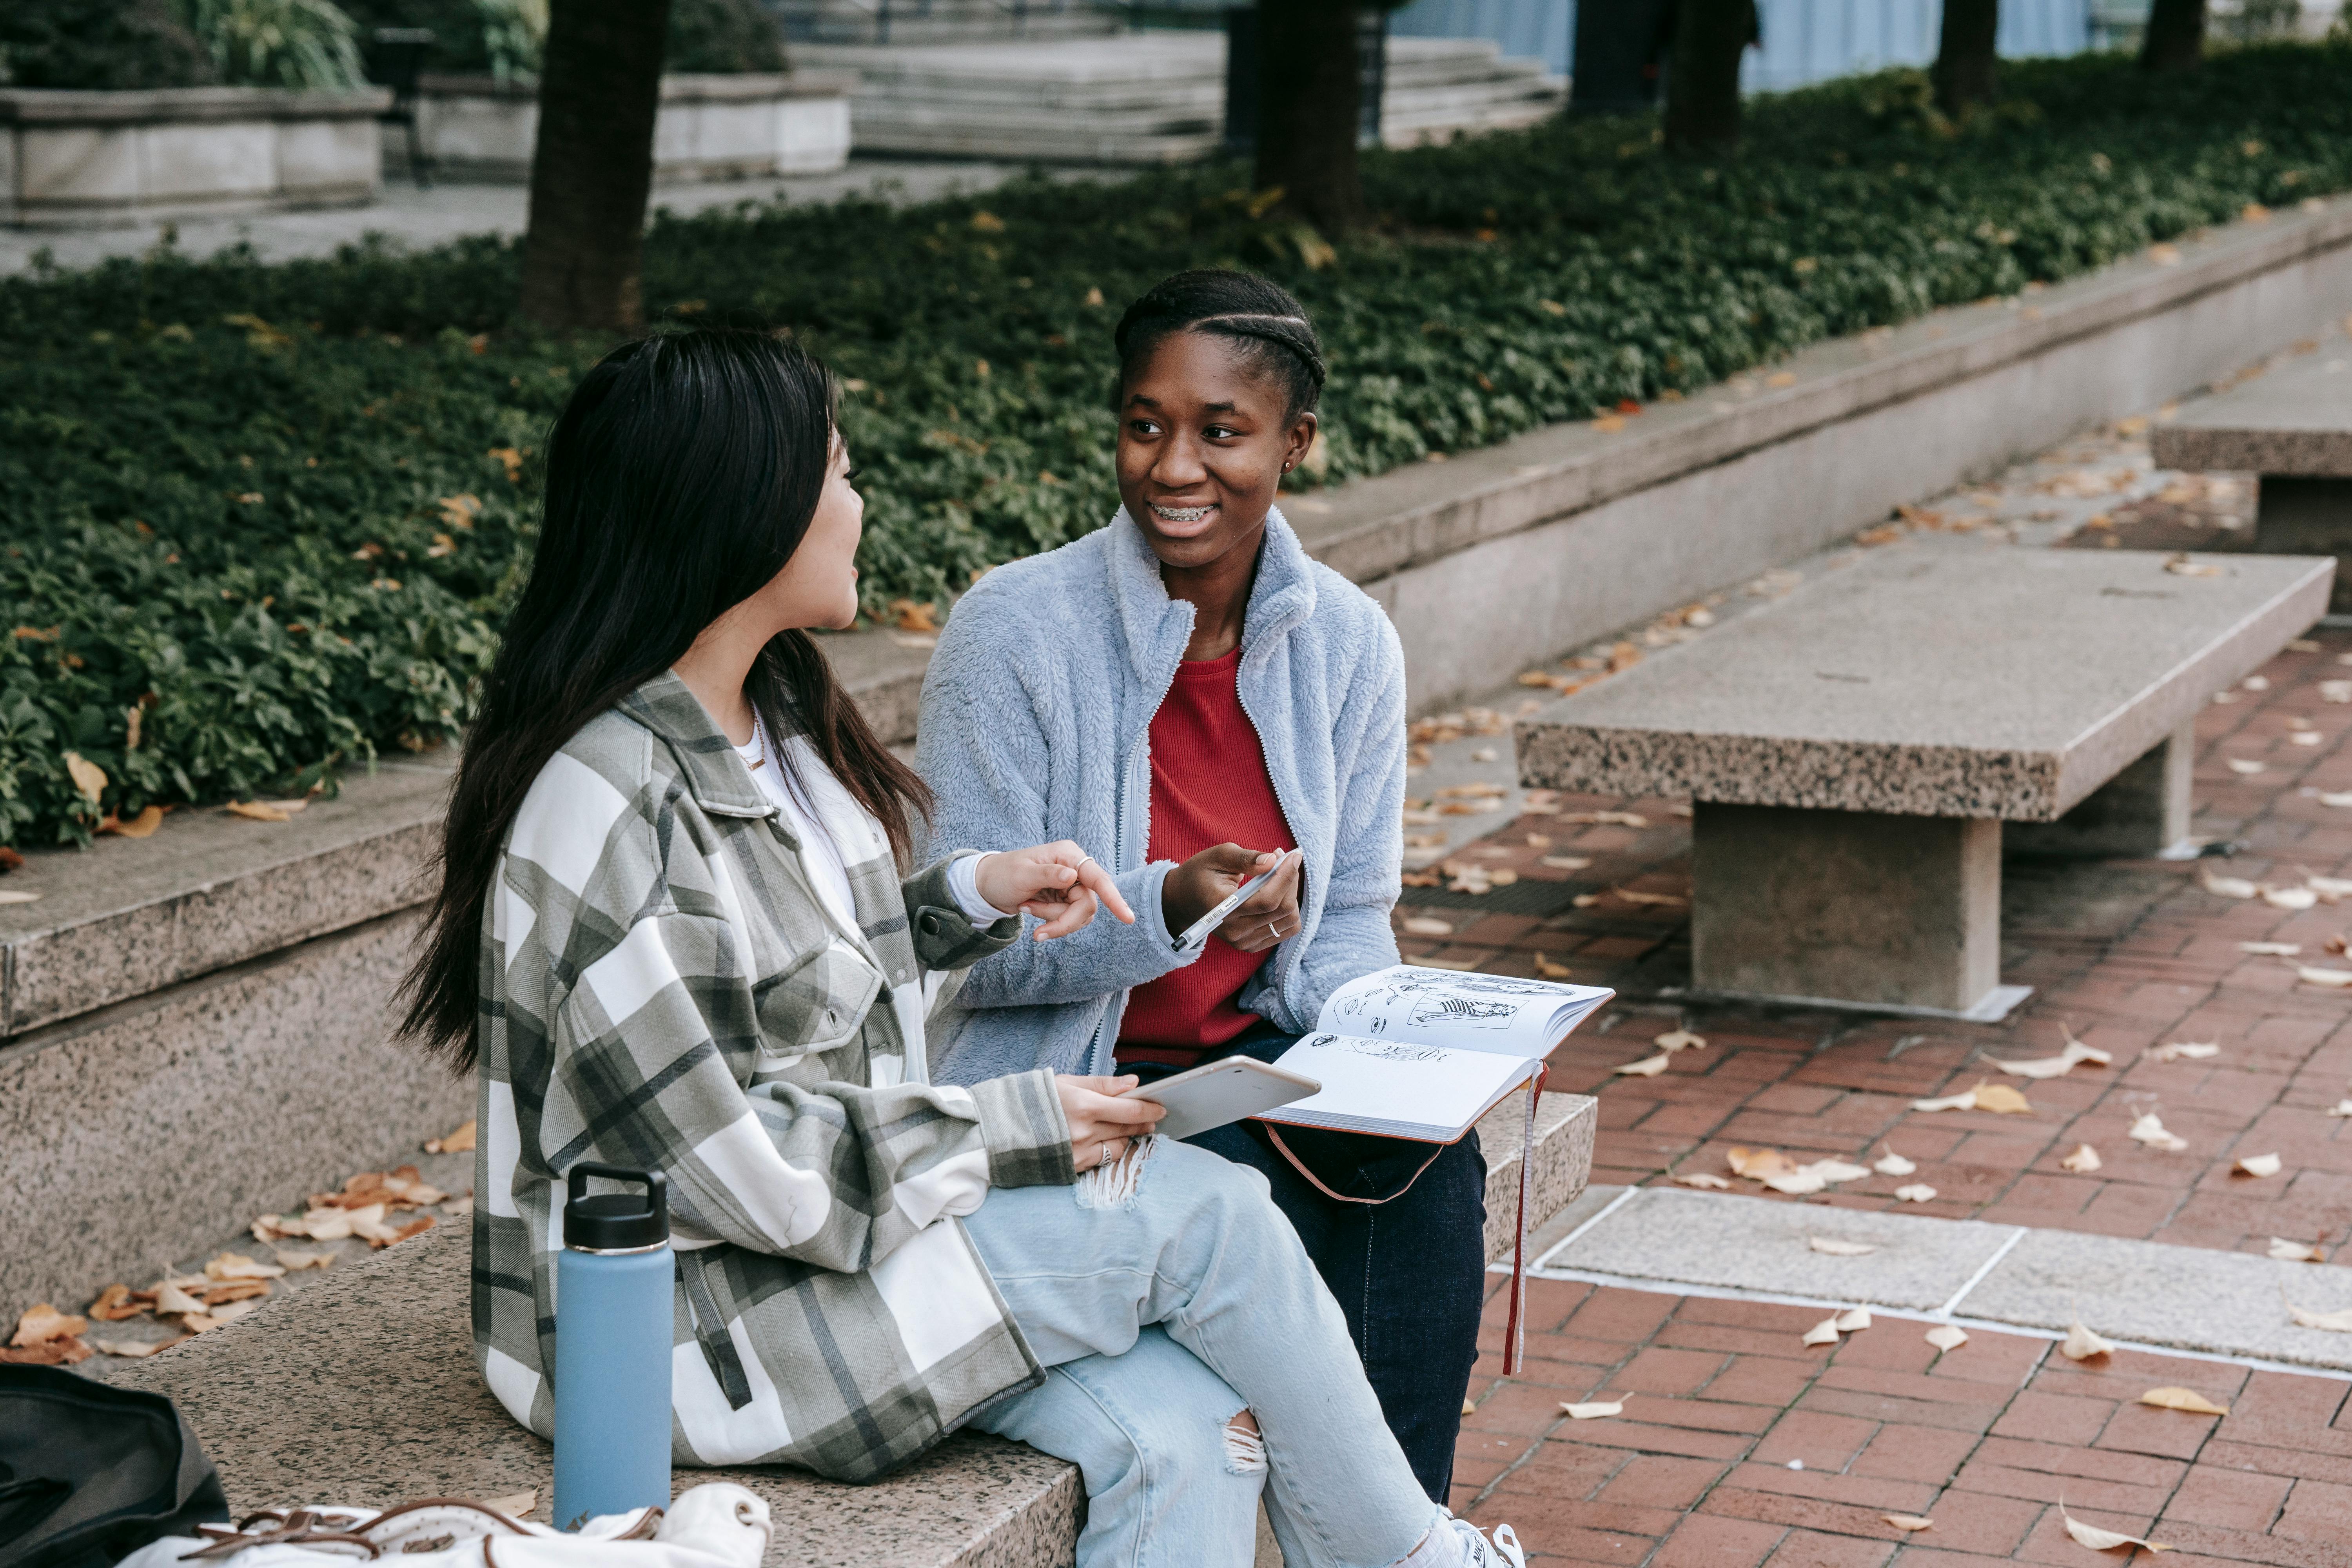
{"points": [[1104, 1158], [1082, 865]]}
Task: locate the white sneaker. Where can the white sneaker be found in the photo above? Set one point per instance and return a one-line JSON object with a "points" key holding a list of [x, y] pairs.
{"points": [[1503, 1551]]}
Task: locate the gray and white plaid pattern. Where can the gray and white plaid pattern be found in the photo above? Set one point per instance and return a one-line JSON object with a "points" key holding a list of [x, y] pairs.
{"points": [[662, 988]]}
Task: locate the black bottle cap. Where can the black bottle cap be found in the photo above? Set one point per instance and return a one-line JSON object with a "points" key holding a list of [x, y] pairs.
{"points": [[615, 1222]]}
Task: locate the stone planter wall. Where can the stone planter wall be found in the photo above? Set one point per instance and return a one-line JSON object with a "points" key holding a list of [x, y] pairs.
{"points": [[72, 160], [709, 127]]}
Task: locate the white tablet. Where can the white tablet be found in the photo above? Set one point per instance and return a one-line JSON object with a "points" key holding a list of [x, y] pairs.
{"points": [[1217, 1092]]}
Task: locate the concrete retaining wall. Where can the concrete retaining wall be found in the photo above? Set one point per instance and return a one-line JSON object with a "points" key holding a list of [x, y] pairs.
{"points": [[72, 159], [708, 128]]}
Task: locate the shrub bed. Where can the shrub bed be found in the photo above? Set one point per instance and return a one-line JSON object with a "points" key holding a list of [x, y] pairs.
{"points": [[277, 510]]}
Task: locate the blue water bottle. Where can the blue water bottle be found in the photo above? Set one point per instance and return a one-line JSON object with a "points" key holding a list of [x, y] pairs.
{"points": [[612, 1319]]}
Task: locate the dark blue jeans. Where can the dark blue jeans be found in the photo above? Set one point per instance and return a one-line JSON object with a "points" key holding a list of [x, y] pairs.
{"points": [[1410, 1273]]}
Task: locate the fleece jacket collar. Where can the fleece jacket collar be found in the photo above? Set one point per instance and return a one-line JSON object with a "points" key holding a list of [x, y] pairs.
{"points": [[1156, 626]]}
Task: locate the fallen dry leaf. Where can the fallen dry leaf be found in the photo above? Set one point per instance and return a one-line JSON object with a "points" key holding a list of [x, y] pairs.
{"points": [[2310, 976], [2289, 897], [1547, 970], [2190, 1050], [2227, 887], [43, 1323], [237, 1265], [235, 1310], [1469, 1408], [1594, 1409], [2287, 1251], [1568, 862], [89, 778], [1916, 1193], [517, 1505], [2149, 1128], [1946, 1337], [1963, 1100], [298, 1261], [257, 811], [2081, 1344], [1835, 1247], [2259, 1164], [2334, 890], [1892, 1163], [1824, 1332], [114, 1305], [2336, 1322], [2246, 766], [64, 1352], [172, 1300], [2341, 1108], [1853, 1320], [459, 1143], [2083, 1160], [1706, 1179], [1427, 925], [1679, 1040], [2091, 1535], [2065, 1061], [1907, 1521], [1648, 1067], [1607, 818], [10, 896], [133, 1349], [2002, 1099], [235, 1290], [142, 825], [2186, 1399], [1836, 1170]]}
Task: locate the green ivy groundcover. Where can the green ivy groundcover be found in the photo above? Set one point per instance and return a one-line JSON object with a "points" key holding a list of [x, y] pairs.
{"points": [[261, 522]]}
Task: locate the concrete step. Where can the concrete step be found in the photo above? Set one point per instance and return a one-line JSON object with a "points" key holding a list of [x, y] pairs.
{"points": [[361, 1389]]}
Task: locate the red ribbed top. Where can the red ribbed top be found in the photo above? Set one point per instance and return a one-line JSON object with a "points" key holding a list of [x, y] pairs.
{"points": [[1209, 785]]}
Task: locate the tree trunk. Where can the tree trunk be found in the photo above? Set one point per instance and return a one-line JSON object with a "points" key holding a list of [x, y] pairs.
{"points": [[1308, 109], [1703, 74], [599, 88], [2176, 36], [1963, 61]]}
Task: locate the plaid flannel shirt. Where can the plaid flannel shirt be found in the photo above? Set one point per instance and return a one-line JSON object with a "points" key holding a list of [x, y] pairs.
{"points": [[662, 989]]}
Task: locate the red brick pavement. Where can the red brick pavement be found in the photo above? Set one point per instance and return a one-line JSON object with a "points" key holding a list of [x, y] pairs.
{"points": [[2131, 954], [1721, 1401]]}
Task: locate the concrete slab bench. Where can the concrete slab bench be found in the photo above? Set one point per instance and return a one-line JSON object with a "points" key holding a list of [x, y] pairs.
{"points": [[1854, 750], [361, 1389], [2294, 428]]}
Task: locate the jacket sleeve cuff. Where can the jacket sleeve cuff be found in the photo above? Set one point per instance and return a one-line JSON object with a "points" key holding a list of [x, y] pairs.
{"points": [[944, 936], [1028, 1138]]}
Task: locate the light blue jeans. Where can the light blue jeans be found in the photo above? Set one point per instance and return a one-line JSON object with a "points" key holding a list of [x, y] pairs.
{"points": [[1164, 1306]]}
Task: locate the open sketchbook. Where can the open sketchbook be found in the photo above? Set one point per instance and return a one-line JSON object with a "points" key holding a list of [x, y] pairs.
{"points": [[1424, 1053]]}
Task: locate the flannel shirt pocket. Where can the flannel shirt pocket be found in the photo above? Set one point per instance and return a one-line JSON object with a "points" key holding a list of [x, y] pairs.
{"points": [[817, 1003]]}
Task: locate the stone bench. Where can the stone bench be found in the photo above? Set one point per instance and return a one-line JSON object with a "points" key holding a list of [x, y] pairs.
{"points": [[2293, 426], [1854, 750], [361, 1389]]}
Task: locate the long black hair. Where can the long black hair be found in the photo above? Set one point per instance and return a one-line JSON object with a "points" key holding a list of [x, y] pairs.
{"points": [[681, 477], [1266, 325]]}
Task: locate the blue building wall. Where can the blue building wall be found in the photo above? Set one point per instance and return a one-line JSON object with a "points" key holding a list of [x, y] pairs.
{"points": [[1804, 40]]}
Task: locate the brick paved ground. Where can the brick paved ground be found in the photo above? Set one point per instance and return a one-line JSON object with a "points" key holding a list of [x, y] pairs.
{"points": [[1720, 1398], [2131, 954]]}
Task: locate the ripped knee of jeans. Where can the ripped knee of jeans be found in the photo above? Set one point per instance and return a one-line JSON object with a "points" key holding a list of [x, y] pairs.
{"points": [[1244, 1445], [1114, 1186]]}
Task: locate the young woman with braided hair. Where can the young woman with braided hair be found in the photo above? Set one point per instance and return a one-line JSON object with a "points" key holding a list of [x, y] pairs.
{"points": [[1185, 694]]}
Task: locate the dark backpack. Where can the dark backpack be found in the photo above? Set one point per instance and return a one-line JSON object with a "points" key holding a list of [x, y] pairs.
{"points": [[89, 1474]]}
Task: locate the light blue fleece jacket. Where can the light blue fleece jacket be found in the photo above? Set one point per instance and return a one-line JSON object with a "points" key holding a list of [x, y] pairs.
{"points": [[1035, 726]]}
